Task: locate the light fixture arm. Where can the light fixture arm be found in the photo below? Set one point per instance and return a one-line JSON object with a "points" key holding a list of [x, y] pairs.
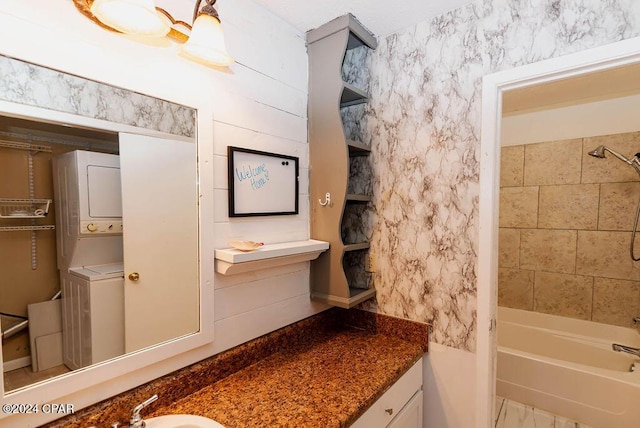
{"points": [[172, 19], [207, 9]]}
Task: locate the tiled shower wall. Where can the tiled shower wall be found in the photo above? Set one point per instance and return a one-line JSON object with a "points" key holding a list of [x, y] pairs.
{"points": [[565, 227]]}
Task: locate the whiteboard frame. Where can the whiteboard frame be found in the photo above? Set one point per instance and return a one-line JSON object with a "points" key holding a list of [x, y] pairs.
{"points": [[234, 191]]}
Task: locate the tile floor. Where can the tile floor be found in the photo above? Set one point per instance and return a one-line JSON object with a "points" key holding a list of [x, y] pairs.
{"points": [[511, 414], [18, 378]]}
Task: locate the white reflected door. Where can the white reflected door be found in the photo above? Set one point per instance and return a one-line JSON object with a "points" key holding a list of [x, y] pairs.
{"points": [[160, 215]]}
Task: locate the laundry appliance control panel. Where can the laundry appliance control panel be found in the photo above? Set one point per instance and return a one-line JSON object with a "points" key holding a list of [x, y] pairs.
{"points": [[98, 227]]}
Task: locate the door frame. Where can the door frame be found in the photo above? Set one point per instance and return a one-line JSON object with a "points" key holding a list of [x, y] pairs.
{"points": [[588, 61]]}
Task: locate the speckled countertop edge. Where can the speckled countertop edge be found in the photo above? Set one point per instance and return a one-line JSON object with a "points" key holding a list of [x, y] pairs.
{"points": [[182, 389]]}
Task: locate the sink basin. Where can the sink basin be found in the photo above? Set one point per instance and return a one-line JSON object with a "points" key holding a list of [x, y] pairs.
{"points": [[181, 421]]}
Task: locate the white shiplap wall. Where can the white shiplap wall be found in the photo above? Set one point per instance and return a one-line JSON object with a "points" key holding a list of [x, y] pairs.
{"points": [[271, 115], [260, 103]]}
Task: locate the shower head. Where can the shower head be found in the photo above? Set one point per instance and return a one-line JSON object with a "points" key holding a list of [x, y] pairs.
{"points": [[634, 161], [598, 153]]}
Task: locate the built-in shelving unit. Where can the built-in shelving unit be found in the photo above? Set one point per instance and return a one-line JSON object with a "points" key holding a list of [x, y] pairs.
{"points": [[230, 261], [14, 212], [338, 276]]}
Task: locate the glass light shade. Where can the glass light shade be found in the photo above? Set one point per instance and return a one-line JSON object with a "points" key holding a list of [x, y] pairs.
{"points": [[136, 17], [206, 43]]}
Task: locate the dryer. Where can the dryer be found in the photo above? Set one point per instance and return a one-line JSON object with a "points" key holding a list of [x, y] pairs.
{"points": [[88, 201]]}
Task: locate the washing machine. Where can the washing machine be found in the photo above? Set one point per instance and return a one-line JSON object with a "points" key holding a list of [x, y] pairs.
{"points": [[92, 314]]}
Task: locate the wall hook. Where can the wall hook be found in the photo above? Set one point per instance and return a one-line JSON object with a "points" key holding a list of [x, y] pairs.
{"points": [[327, 200]]}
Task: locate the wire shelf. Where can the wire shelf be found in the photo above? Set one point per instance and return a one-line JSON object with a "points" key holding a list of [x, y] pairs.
{"points": [[19, 228], [24, 208], [24, 146]]}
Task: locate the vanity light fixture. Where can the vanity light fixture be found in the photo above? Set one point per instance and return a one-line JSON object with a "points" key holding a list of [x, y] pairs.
{"points": [[205, 44], [137, 17]]}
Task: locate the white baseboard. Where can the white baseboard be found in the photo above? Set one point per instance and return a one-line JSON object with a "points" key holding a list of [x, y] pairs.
{"points": [[16, 364]]}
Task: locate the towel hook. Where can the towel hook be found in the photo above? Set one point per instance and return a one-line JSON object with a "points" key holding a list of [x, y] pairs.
{"points": [[327, 200]]}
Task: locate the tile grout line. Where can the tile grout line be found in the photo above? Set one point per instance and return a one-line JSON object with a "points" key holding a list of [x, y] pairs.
{"points": [[593, 285], [593, 293], [593, 280], [533, 292], [538, 207]]}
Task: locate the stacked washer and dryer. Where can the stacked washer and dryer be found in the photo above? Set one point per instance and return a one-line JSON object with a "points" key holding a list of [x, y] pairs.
{"points": [[88, 199]]}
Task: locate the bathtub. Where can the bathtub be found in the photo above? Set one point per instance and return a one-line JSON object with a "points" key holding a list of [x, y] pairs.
{"points": [[567, 367]]}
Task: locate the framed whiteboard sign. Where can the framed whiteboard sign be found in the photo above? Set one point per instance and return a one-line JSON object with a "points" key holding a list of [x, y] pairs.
{"points": [[262, 183]]}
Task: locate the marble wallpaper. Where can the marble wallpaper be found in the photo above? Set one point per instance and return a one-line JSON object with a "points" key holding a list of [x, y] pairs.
{"points": [[518, 32], [423, 124], [31, 84]]}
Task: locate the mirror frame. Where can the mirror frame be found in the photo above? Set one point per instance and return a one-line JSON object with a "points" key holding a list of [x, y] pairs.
{"points": [[600, 58], [69, 384]]}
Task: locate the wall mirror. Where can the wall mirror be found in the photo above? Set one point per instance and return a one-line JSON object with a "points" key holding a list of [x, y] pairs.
{"points": [[107, 214]]}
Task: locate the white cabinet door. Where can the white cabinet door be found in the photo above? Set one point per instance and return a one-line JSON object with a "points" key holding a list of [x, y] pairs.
{"points": [[390, 405], [160, 238], [411, 414]]}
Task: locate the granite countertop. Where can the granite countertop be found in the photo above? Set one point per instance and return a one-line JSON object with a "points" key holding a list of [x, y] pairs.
{"points": [[323, 371], [326, 382]]}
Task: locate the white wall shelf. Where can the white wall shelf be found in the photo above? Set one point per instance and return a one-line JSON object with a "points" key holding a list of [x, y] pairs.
{"points": [[230, 261]]}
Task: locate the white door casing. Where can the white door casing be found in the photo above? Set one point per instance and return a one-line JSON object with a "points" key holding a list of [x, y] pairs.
{"points": [[494, 85]]}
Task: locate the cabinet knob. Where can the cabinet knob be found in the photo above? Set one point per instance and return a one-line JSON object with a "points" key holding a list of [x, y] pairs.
{"points": [[389, 411], [134, 276]]}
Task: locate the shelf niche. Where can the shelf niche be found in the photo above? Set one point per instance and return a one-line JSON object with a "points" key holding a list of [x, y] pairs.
{"points": [[352, 96], [338, 276], [356, 148]]}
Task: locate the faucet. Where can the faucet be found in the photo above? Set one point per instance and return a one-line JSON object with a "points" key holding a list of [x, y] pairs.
{"points": [[136, 419], [627, 349]]}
